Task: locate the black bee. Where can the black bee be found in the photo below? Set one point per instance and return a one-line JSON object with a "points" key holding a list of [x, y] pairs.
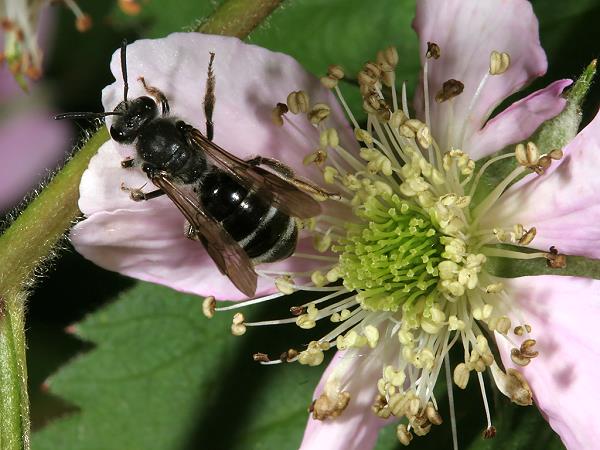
{"points": [[242, 213]]}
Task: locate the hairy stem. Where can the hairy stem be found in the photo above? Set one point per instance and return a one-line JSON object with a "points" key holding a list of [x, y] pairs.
{"points": [[238, 17], [28, 242]]}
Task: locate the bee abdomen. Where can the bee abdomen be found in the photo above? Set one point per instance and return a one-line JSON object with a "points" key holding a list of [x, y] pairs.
{"points": [[264, 232], [274, 239]]}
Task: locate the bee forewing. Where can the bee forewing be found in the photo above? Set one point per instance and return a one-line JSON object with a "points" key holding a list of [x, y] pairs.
{"points": [[230, 258], [276, 190]]}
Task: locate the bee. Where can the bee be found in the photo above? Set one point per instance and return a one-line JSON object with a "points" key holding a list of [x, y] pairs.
{"points": [[242, 211]]}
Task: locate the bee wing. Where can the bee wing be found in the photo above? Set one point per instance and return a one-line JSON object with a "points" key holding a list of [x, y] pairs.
{"points": [[276, 190], [231, 259]]}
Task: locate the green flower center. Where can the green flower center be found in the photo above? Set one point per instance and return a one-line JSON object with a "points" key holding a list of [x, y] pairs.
{"points": [[391, 259]]}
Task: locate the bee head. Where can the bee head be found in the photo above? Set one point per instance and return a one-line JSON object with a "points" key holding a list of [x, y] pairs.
{"points": [[133, 116]]}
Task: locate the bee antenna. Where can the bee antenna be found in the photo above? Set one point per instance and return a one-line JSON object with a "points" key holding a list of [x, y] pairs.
{"points": [[86, 115], [124, 68]]}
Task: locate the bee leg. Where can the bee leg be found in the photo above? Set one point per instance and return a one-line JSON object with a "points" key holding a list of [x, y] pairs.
{"points": [[277, 166], [288, 174], [158, 96], [209, 99], [137, 195]]}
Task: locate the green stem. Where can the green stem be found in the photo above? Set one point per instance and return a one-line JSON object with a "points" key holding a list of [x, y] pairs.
{"points": [[238, 17], [33, 236], [29, 242]]}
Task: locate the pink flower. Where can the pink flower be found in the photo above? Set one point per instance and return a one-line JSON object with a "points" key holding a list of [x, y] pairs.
{"points": [[400, 259], [31, 143]]}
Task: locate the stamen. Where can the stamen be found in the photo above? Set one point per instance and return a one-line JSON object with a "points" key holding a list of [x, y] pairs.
{"points": [[472, 103], [484, 168], [504, 253], [405, 101], [426, 93], [485, 402], [346, 108], [487, 203], [450, 390], [83, 22], [248, 302]]}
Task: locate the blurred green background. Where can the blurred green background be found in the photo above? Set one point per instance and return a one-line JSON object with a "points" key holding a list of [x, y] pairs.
{"points": [[173, 379]]}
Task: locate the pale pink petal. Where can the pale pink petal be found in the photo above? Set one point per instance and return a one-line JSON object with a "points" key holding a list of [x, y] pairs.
{"points": [[357, 427], [563, 204], [250, 81], [564, 313], [26, 157], [519, 121], [467, 31]]}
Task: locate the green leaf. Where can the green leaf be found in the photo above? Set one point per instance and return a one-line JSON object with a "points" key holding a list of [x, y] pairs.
{"points": [[162, 376]]}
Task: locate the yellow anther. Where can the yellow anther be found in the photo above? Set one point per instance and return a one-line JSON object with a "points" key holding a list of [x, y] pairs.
{"points": [[208, 306], [363, 136], [312, 356], [454, 323], [336, 72], [329, 406], [527, 237], [237, 326], [329, 174], [424, 137], [318, 113], [298, 102], [318, 278], [394, 377], [403, 435], [372, 335], [398, 118], [499, 62], [329, 138], [285, 285]]}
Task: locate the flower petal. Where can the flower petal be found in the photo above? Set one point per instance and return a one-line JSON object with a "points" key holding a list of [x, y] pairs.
{"points": [[249, 82], [357, 427], [467, 31], [562, 204], [518, 121], [563, 313]]}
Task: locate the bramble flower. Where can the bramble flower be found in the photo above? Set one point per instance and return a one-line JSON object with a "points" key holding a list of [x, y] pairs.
{"points": [[400, 260]]}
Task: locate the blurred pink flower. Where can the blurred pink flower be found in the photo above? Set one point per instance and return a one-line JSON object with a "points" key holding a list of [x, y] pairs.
{"points": [[32, 144], [405, 240]]}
